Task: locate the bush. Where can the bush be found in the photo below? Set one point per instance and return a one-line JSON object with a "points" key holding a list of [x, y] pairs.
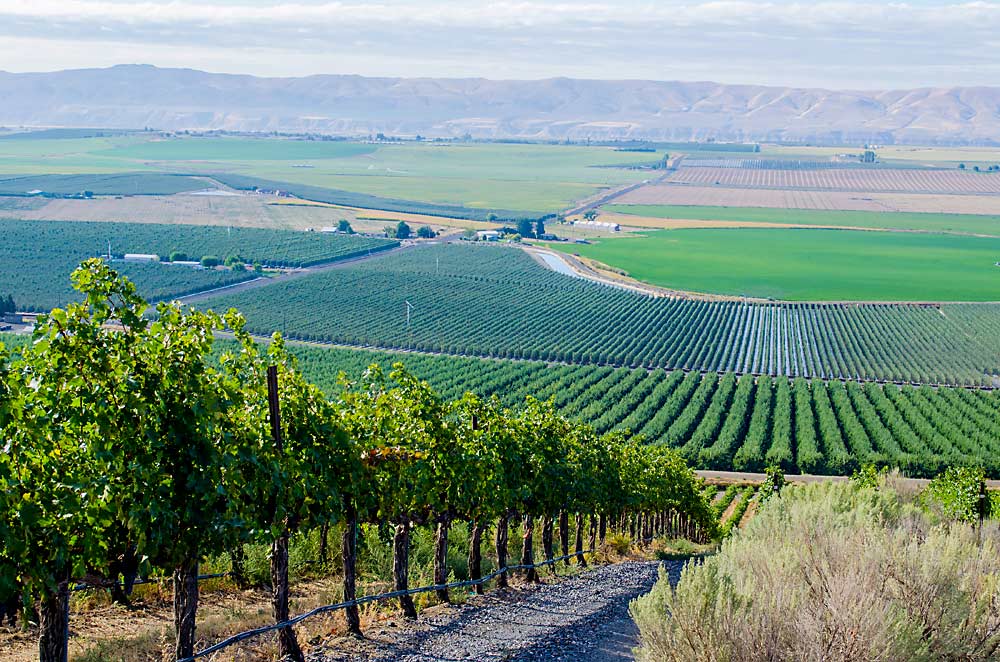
{"points": [[178, 256], [833, 572], [210, 261]]}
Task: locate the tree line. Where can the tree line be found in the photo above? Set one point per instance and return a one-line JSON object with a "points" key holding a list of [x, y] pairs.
{"points": [[124, 441]]}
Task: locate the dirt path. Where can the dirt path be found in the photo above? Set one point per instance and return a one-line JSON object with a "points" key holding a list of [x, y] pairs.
{"points": [[583, 618]]}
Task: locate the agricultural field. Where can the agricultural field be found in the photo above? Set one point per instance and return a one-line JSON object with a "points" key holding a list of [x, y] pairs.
{"points": [[718, 196], [724, 421], [498, 302], [126, 183], [956, 223], [808, 264], [847, 179], [36, 258], [20, 278], [483, 176]]}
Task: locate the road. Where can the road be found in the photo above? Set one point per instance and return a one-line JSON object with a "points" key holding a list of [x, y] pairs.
{"points": [[583, 618]]}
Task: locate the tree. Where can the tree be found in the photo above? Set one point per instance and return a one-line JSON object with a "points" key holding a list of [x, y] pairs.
{"points": [[524, 228], [210, 261], [402, 230], [961, 166], [590, 215], [539, 228], [343, 225], [177, 256], [425, 232]]}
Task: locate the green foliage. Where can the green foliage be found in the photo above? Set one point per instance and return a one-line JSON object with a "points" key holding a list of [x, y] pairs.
{"points": [[525, 228], [959, 494], [343, 225], [425, 232], [402, 230], [210, 261], [869, 476], [448, 285], [773, 484], [37, 258]]}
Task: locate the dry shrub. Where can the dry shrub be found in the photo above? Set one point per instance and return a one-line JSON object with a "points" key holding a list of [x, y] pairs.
{"points": [[837, 573]]}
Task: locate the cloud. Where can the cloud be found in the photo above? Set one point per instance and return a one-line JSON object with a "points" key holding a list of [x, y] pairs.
{"points": [[861, 44]]}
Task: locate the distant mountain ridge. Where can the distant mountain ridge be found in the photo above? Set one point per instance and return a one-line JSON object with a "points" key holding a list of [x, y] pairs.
{"points": [[136, 96]]}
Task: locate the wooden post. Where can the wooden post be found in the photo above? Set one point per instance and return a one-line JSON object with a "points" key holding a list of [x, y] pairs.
{"points": [[288, 645]]}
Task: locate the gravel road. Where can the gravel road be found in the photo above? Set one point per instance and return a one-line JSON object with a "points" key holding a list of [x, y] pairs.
{"points": [[583, 618]]}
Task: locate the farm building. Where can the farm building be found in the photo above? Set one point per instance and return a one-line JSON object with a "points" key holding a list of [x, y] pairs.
{"points": [[141, 257], [488, 235], [187, 263]]}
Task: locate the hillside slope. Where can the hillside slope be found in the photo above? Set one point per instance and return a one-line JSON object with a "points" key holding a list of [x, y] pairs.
{"points": [[136, 96]]}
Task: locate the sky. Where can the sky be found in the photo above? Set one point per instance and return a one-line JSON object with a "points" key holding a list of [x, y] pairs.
{"points": [[844, 45]]}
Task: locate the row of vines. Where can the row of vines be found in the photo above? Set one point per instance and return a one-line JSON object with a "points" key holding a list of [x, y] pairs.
{"points": [[130, 442], [497, 302], [721, 421]]}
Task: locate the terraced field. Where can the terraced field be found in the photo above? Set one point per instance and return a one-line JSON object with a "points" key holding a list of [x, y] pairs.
{"points": [[498, 302]]}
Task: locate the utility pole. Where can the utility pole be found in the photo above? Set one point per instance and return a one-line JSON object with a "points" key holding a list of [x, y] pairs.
{"points": [[409, 307]]}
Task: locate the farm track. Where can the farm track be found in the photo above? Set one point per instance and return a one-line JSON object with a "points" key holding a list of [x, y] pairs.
{"points": [[582, 618]]}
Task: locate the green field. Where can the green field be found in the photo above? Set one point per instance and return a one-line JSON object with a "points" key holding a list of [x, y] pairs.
{"points": [[36, 257], [809, 265], [957, 223], [489, 301], [541, 178]]}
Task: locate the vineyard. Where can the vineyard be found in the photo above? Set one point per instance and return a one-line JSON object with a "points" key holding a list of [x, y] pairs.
{"points": [[36, 258], [726, 422], [498, 302], [123, 183], [845, 179], [156, 460], [716, 196]]}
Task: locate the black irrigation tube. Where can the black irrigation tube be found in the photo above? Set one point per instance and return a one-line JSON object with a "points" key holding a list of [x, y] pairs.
{"points": [[84, 586], [249, 634]]}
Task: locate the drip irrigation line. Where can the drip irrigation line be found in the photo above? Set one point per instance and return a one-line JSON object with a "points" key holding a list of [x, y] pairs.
{"points": [[249, 634]]}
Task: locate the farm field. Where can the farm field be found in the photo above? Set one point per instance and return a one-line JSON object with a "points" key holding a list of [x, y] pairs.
{"points": [[19, 277], [848, 179], [808, 264], [251, 211], [498, 302], [536, 177], [722, 421], [719, 196], [938, 157], [126, 183], [959, 223], [36, 258]]}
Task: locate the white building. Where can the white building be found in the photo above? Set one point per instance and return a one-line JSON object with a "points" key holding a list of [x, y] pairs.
{"points": [[488, 235], [141, 257]]}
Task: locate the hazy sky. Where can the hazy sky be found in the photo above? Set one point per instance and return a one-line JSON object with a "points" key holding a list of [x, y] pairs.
{"points": [[861, 45]]}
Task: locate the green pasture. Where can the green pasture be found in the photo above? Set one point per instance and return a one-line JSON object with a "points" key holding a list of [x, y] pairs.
{"points": [[543, 178], [961, 223], [809, 264]]}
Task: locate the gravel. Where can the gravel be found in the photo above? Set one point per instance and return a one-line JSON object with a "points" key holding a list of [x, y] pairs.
{"points": [[583, 618]]}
